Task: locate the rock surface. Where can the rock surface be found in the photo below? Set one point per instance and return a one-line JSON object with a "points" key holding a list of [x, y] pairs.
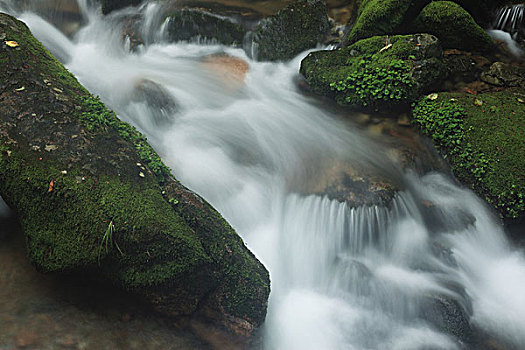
{"points": [[112, 5], [93, 197], [298, 27], [195, 24], [503, 74]]}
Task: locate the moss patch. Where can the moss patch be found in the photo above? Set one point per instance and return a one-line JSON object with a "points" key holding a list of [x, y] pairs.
{"points": [[482, 138]]}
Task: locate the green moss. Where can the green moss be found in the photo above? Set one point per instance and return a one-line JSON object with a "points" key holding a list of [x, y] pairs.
{"points": [[484, 144], [97, 117], [454, 27]]}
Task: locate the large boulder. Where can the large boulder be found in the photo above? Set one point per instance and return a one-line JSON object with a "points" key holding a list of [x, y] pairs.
{"points": [[482, 138], [377, 72], [196, 24], [454, 27], [94, 198], [300, 26]]}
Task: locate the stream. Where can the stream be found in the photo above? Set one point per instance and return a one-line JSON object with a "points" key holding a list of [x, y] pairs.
{"points": [[432, 269]]}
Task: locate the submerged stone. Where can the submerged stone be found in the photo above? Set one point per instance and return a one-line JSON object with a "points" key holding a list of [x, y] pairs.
{"points": [[159, 101], [300, 26], [147, 234]]}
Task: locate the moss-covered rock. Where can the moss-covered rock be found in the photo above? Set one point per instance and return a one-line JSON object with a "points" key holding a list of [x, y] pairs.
{"points": [[298, 27], [112, 5], [454, 27], [380, 17], [377, 72], [196, 24], [482, 138], [93, 196]]}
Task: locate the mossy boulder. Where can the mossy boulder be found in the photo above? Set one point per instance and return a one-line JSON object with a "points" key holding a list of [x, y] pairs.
{"points": [[112, 5], [300, 26], [94, 198], [380, 17], [377, 72], [482, 138], [454, 27], [195, 24]]}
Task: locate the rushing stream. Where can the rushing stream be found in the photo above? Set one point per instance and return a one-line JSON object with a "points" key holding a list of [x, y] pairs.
{"points": [[412, 275]]}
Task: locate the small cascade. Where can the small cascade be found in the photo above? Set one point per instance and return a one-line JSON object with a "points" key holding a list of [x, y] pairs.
{"points": [[510, 19]]}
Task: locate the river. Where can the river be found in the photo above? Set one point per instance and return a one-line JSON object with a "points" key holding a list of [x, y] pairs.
{"points": [[430, 270]]}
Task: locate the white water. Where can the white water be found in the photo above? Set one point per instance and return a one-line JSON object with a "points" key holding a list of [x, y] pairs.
{"points": [[342, 278]]}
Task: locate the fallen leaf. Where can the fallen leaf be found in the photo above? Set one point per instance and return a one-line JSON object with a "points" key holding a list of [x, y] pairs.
{"points": [[478, 102], [21, 89], [520, 100], [432, 96], [11, 43], [51, 184]]}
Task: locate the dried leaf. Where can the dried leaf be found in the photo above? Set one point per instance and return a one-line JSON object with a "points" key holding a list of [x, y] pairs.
{"points": [[432, 96], [11, 43], [51, 184]]}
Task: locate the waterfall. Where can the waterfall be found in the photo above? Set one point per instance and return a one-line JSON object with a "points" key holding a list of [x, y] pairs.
{"points": [[510, 19], [429, 270]]}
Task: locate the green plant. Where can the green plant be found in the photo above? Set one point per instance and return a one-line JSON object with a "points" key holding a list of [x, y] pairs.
{"points": [[372, 83], [108, 242]]}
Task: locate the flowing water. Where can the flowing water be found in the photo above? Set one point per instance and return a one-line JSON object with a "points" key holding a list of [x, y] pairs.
{"points": [[431, 270]]}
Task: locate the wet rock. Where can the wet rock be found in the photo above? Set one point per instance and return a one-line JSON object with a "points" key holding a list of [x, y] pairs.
{"points": [[300, 26], [112, 5], [503, 74], [461, 68], [160, 102], [448, 316], [344, 183], [379, 72], [196, 24], [101, 219]]}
